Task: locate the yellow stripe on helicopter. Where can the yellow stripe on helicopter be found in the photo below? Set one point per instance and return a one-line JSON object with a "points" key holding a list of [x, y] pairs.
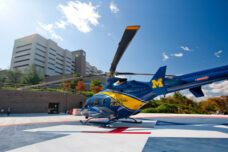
{"points": [[128, 102]]}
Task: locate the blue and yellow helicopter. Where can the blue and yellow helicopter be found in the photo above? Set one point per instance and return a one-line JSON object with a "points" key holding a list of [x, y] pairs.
{"points": [[122, 99]]}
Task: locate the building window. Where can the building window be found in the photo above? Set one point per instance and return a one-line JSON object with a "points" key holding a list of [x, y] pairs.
{"points": [[51, 63], [59, 59], [51, 53], [21, 60], [59, 68], [39, 66], [50, 68], [21, 66], [22, 55], [24, 45], [23, 50], [68, 62], [60, 55], [52, 59], [41, 50], [40, 55], [52, 49], [39, 60], [59, 63], [58, 72], [41, 45]]}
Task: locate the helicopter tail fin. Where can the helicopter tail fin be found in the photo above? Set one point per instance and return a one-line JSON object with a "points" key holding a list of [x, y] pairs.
{"points": [[157, 83]]}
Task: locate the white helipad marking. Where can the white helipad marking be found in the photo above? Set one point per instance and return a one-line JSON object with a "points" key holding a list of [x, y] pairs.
{"points": [[194, 131], [68, 129], [78, 141]]}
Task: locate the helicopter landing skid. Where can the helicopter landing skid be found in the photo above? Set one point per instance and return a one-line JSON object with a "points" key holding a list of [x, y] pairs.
{"points": [[85, 122], [135, 121], [109, 123]]}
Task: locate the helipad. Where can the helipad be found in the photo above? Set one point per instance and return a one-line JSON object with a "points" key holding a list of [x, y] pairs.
{"points": [[158, 132]]}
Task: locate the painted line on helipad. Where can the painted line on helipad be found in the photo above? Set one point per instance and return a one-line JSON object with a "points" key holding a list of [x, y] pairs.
{"points": [[118, 130]]}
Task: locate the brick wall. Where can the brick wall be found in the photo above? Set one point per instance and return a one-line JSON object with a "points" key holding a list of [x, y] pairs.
{"points": [[38, 101]]}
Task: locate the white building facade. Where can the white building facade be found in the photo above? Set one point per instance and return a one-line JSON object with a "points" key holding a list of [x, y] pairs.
{"points": [[48, 57]]}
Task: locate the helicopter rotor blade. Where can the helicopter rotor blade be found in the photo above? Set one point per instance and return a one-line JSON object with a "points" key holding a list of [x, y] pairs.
{"points": [[128, 35], [130, 73], [57, 81]]}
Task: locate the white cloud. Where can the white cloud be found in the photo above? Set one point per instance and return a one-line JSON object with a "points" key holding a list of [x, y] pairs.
{"points": [[60, 24], [185, 48], [81, 15], [218, 53], [177, 54], [2, 4], [50, 30], [221, 87], [165, 56], [212, 90], [113, 8]]}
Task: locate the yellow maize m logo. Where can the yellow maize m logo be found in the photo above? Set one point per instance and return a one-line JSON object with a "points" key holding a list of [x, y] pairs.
{"points": [[157, 83]]}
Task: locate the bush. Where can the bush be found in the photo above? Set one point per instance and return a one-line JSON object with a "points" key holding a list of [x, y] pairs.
{"points": [[87, 93]]}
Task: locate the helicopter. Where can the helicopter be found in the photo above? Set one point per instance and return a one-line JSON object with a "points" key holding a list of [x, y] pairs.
{"points": [[122, 98]]}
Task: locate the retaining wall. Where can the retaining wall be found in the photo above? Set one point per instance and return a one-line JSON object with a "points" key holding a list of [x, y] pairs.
{"points": [[38, 101]]}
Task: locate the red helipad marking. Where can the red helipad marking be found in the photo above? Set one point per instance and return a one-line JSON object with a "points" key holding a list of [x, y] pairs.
{"points": [[222, 117], [117, 131]]}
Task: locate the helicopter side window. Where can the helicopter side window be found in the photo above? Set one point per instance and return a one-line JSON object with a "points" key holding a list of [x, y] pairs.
{"points": [[96, 101], [104, 101], [91, 103]]}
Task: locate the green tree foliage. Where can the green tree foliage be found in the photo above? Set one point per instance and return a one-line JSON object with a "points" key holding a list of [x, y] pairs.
{"points": [[74, 82], [14, 76], [172, 104], [32, 76], [214, 105], [180, 104], [77, 75], [95, 83]]}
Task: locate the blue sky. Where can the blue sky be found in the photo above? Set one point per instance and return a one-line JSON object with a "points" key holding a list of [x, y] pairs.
{"points": [[185, 35]]}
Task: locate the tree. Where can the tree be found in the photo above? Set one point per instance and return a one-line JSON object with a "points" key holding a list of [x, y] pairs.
{"points": [[67, 85], [80, 86], [32, 76], [14, 76], [77, 75], [97, 89], [75, 82], [95, 83]]}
